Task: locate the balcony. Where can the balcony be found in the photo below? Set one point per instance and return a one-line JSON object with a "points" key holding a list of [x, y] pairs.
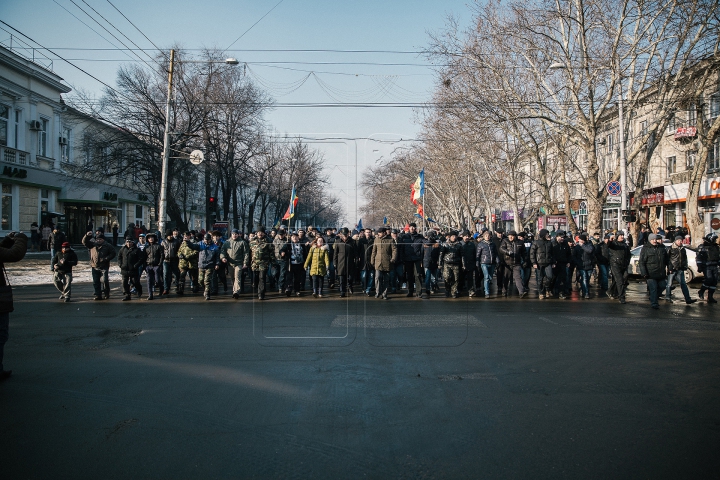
{"points": [[10, 155]]}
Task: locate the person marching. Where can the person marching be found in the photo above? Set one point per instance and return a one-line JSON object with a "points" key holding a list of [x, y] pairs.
{"points": [[263, 253], [707, 258], [451, 258], [431, 256], [677, 267], [541, 257], [344, 261], [171, 262], [130, 258], [469, 263], [584, 256], [236, 253], [208, 262], [318, 261], [383, 257], [154, 255], [562, 253], [100, 255], [188, 254], [63, 262], [296, 276], [487, 260], [619, 253], [653, 264], [412, 260], [513, 252]]}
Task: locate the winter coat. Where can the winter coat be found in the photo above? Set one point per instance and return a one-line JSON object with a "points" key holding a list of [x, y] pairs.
{"points": [[65, 261], [236, 252], [281, 246], [171, 249], [708, 255], [431, 253], [344, 257], [410, 244], [154, 254], [130, 259], [677, 257], [619, 254], [209, 255], [653, 261], [365, 246], [297, 253], [487, 253], [384, 254], [100, 255], [451, 253], [12, 250], [602, 253], [56, 240], [497, 241], [513, 253], [188, 253], [561, 252], [584, 256], [541, 253], [318, 260], [262, 254], [469, 254]]}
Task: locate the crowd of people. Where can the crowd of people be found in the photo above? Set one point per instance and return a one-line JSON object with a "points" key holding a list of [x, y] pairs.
{"points": [[384, 262]]}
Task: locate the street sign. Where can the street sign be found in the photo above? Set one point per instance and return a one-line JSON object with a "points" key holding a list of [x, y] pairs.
{"points": [[614, 188], [613, 200], [196, 157]]}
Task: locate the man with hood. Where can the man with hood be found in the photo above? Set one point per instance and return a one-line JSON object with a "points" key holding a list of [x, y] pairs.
{"points": [[154, 255], [451, 260], [543, 262], [130, 258], [100, 255], [63, 262], [263, 253]]}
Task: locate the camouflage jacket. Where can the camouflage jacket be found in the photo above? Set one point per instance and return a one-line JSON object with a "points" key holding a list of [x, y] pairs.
{"points": [[262, 254]]}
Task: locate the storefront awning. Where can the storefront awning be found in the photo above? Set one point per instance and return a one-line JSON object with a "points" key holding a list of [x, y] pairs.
{"points": [[89, 202]]}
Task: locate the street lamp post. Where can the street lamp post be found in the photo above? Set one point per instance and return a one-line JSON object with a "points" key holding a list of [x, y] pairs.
{"points": [[162, 213]]}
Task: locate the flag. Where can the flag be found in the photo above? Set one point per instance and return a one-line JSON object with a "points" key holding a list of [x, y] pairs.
{"points": [[417, 189], [293, 203], [384, 220], [359, 226], [277, 223], [420, 213]]}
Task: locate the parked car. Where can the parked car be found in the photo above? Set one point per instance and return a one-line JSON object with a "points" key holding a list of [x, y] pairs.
{"points": [[690, 274]]}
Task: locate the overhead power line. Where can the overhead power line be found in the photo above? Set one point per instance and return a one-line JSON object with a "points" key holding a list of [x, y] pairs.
{"points": [[251, 26]]}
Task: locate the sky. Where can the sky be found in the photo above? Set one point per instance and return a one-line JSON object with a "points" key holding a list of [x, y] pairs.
{"points": [[351, 139]]}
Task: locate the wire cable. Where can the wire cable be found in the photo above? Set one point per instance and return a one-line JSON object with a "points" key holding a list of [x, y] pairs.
{"points": [[251, 26]]}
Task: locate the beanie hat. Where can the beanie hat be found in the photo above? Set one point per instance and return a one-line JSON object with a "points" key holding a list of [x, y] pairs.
{"points": [[543, 233], [65, 244], [679, 237]]}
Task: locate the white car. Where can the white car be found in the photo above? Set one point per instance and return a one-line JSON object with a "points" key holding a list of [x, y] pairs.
{"points": [[690, 274]]}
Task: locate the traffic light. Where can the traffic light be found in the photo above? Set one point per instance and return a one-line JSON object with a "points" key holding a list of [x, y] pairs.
{"points": [[212, 203]]}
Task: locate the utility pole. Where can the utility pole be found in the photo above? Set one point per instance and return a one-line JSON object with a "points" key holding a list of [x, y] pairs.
{"points": [[162, 221], [623, 162]]}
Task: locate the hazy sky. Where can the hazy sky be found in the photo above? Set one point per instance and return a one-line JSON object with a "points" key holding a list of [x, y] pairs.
{"points": [[394, 25]]}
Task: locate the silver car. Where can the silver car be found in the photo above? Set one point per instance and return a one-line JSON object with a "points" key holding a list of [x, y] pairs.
{"points": [[690, 274]]}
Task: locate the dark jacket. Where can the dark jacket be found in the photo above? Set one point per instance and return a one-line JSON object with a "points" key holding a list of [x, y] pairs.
{"points": [[411, 246], [155, 254], [469, 254], [496, 241], [130, 259], [619, 254], [584, 256], [236, 252], [541, 253], [431, 253], [65, 261], [100, 255], [12, 250], [365, 246], [384, 254], [654, 261], [602, 253], [513, 253], [209, 255], [282, 248], [561, 251], [677, 257], [56, 240], [487, 253], [451, 253], [343, 256], [170, 249], [708, 255]]}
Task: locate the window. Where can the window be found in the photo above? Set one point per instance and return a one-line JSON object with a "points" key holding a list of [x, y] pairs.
{"points": [[715, 105], [610, 143], [671, 165], [671, 124], [4, 115], [643, 128], [42, 137], [690, 157], [714, 157], [18, 118], [139, 214], [6, 207], [65, 145], [44, 203], [692, 115]]}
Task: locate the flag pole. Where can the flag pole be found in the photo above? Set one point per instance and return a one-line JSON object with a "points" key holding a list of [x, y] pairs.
{"points": [[423, 204]]}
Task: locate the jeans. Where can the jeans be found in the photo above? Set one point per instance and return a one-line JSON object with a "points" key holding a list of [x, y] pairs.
{"points": [[396, 275], [413, 276], [488, 271], [543, 278], [129, 278], [366, 280], [655, 287], [620, 279], [585, 281], [153, 276], [4, 335], [283, 267], [431, 279], [169, 269], [603, 276], [317, 284], [63, 282], [680, 275], [101, 282]]}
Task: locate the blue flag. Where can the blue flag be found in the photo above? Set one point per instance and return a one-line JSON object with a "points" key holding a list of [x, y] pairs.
{"points": [[359, 225], [384, 220]]}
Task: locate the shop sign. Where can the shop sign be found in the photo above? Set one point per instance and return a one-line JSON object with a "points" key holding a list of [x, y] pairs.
{"points": [[14, 172], [651, 198], [557, 220], [685, 132], [508, 215], [109, 197], [709, 188], [715, 223], [492, 218]]}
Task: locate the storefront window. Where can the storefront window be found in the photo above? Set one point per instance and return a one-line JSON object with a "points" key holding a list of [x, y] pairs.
{"points": [[610, 218], [4, 112], [670, 217], [7, 207], [139, 211]]}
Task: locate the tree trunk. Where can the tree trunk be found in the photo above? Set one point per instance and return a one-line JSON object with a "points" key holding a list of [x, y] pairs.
{"points": [[707, 137]]}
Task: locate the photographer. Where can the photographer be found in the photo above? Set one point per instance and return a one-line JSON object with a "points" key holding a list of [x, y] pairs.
{"points": [[12, 249]]}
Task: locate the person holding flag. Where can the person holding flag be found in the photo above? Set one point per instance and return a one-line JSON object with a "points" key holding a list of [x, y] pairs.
{"points": [[291, 208]]}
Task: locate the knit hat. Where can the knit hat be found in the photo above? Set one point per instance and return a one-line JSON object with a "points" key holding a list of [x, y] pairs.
{"points": [[583, 237], [679, 237], [543, 233], [65, 244]]}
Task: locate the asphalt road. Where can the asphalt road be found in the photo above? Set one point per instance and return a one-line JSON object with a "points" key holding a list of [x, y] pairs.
{"points": [[359, 388]]}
